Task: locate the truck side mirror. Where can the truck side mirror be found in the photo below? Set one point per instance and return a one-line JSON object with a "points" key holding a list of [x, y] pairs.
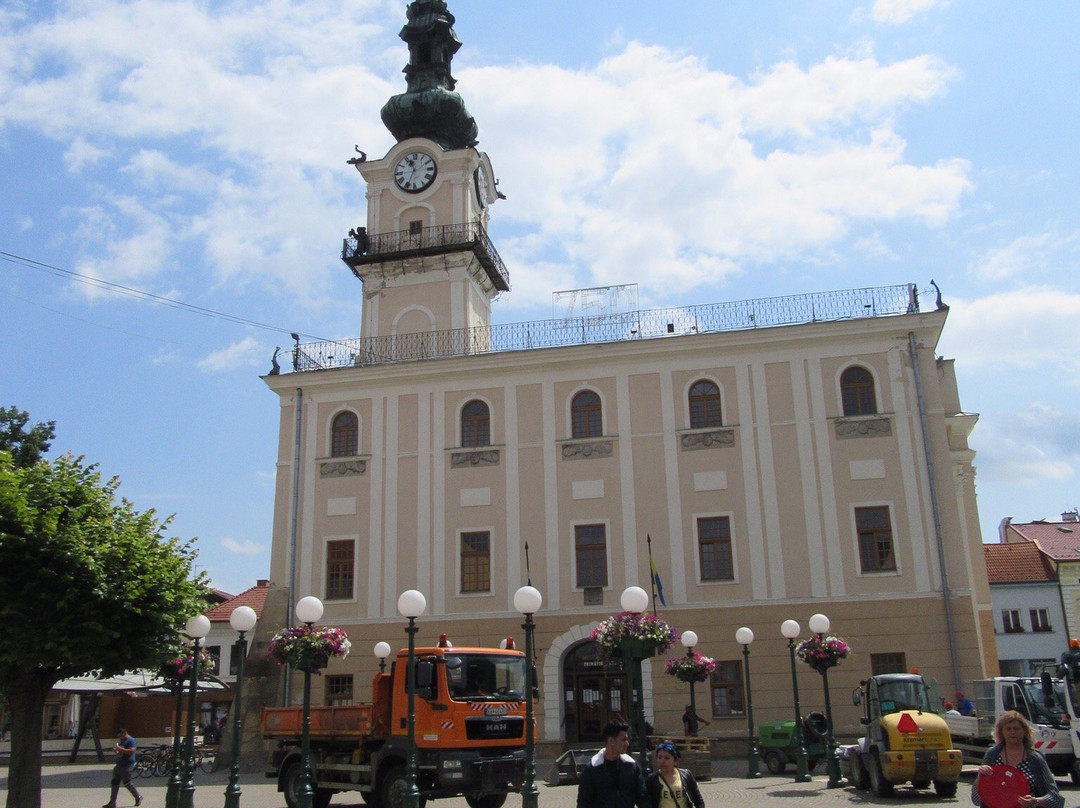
{"points": [[856, 697], [424, 679]]}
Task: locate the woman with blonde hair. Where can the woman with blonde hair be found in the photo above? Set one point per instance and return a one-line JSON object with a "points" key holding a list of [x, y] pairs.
{"points": [[1014, 748]]}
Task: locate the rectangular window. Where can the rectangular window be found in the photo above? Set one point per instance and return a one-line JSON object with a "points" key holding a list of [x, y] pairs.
{"points": [[339, 690], [234, 658], [1040, 620], [727, 690], [887, 663], [416, 227], [476, 562], [714, 548], [214, 652], [1010, 621], [590, 552], [340, 556], [874, 529]]}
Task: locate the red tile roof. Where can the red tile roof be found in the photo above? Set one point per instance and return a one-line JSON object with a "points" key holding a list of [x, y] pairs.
{"points": [[254, 597], [1018, 563], [1059, 540]]}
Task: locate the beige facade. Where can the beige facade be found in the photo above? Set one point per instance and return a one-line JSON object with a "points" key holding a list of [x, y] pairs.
{"points": [[786, 469], [779, 506]]}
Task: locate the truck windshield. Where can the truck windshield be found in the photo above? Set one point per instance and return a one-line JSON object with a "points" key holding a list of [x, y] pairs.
{"points": [[483, 677], [903, 695], [1046, 709]]}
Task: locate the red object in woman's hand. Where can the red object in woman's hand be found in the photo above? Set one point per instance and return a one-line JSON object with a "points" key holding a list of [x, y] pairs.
{"points": [[1003, 788]]}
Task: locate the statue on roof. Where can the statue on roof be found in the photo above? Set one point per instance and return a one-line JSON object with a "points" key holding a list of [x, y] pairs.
{"points": [[429, 107]]}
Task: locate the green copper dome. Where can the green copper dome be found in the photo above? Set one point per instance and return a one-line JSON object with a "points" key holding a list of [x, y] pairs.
{"points": [[429, 107]]}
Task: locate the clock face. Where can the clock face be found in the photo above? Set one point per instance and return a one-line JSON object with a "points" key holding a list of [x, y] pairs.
{"points": [[414, 172], [481, 186]]}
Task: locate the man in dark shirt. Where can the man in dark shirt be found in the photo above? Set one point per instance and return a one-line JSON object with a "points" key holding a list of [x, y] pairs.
{"points": [[613, 779], [122, 769]]}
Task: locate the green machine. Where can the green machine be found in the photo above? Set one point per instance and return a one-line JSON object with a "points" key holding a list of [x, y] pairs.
{"points": [[778, 747]]}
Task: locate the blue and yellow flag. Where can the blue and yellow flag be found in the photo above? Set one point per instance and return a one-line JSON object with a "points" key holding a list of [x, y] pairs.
{"points": [[656, 581]]}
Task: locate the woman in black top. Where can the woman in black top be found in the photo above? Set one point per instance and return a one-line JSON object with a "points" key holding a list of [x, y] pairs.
{"points": [[670, 786]]}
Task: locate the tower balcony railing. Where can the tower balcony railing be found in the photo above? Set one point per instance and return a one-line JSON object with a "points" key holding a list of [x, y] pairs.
{"points": [[739, 315], [365, 248]]}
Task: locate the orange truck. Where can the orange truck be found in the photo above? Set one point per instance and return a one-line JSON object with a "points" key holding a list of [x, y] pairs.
{"points": [[470, 733]]}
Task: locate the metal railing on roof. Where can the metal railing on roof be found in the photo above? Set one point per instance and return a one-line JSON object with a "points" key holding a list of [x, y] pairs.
{"points": [[739, 315]]}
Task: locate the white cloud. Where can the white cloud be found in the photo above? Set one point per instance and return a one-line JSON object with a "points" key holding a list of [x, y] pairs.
{"points": [[1024, 257], [1032, 327], [81, 154], [240, 354], [897, 12], [245, 548]]}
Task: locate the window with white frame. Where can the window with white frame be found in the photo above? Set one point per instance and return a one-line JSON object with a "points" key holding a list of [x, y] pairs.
{"points": [[1010, 621]]}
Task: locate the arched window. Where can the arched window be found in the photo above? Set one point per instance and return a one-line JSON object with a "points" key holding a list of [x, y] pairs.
{"points": [[344, 435], [705, 405], [857, 391], [475, 424], [586, 416]]}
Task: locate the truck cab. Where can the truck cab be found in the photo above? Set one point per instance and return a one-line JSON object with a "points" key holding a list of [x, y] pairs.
{"points": [[469, 708]]}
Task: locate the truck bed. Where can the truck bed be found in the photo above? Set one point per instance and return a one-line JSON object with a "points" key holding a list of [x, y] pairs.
{"points": [[351, 721], [970, 727]]}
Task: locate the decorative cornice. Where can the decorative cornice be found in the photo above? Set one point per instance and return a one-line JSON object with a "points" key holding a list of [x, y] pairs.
{"points": [[712, 439], [479, 457], [342, 468], [863, 428], [587, 449]]}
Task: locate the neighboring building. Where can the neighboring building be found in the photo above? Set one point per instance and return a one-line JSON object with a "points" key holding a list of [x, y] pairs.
{"points": [[786, 456], [1060, 542], [1028, 618]]}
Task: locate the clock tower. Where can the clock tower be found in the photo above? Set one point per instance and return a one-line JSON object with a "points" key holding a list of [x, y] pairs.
{"points": [[424, 258]]}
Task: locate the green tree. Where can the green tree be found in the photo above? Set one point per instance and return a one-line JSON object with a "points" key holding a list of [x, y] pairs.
{"points": [[26, 447], [87, 582]]}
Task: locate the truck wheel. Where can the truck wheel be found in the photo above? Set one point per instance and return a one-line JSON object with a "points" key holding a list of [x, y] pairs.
{"points": [[486, 801], [860, 778], [775, 762], [878, 784], [290, 782], [945, 788], [393, 789]]}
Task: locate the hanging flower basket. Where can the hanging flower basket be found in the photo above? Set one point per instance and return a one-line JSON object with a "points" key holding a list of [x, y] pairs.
{"points": [[822, 653], [179, 667], [308, 648], [632, 636], [689, 669]]}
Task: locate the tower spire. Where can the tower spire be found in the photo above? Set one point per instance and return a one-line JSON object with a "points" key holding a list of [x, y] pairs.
{"points": [[429, 107]]}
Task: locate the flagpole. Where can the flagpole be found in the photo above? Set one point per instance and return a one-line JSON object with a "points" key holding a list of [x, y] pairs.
{"points": [[652, 576]]}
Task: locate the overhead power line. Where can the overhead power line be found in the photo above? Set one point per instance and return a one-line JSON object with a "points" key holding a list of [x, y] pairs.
{"points": [[139, 294]]}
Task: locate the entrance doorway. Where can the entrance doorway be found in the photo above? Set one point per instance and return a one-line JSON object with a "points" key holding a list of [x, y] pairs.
{"points": [[595, 692]]}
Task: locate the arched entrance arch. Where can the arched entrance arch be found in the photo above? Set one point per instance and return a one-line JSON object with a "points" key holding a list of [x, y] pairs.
{"points": [[582, 691]]}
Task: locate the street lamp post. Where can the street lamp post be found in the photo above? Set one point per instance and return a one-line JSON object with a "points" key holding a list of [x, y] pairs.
{"points": [[790, 629], [819, 624], [242, 619], [382, 651], [411, 604], [636, 600], [308, 610], [172, 791], [196, 627], [744, 636], [689, 639], [528, 600]]}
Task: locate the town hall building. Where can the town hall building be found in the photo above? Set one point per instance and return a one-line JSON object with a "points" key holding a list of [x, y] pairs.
{"points": [[772, 459]]}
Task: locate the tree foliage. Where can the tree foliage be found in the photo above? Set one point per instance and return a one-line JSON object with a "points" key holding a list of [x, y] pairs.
{"points": [[87, 582], [26, 447]]}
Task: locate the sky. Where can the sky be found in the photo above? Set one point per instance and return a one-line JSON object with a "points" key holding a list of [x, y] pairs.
{"points": [[175, 192]]}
